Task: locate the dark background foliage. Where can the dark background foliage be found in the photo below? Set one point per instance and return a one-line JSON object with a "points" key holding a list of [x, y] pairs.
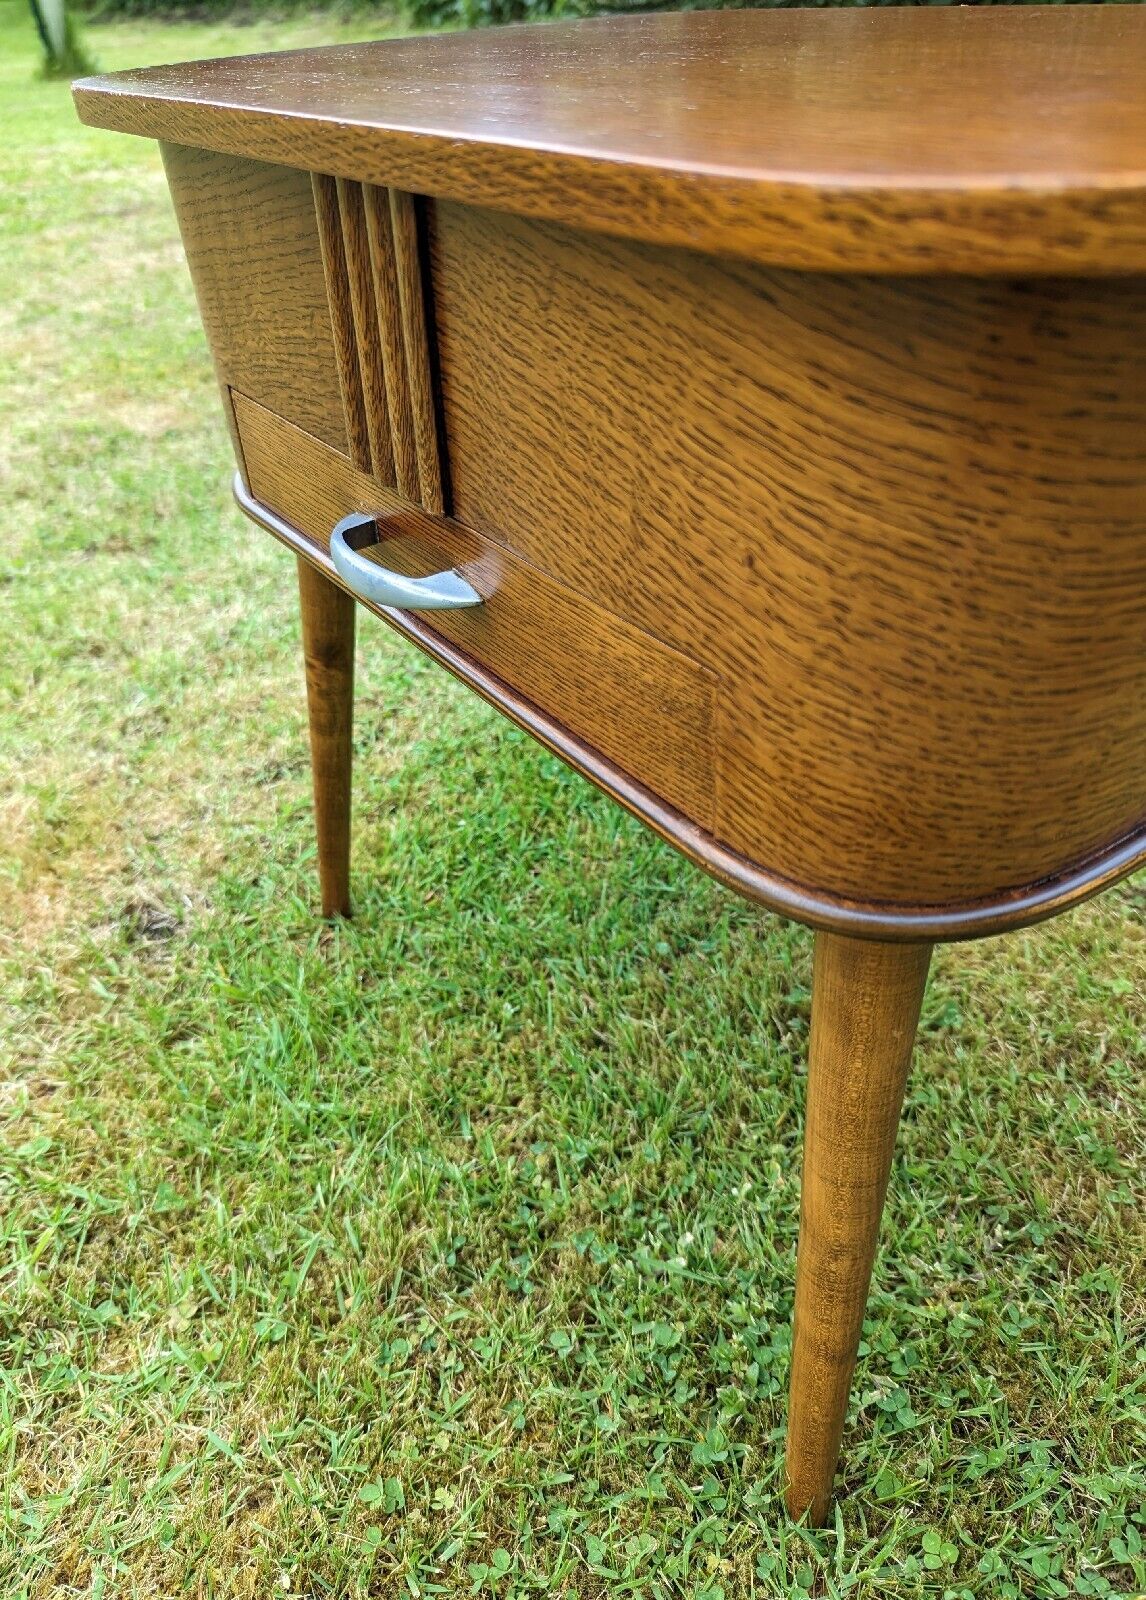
{"points": [[439, 13]]}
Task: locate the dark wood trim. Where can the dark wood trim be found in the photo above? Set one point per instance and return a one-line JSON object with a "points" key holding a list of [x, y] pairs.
{"points": [[1026, 903]]}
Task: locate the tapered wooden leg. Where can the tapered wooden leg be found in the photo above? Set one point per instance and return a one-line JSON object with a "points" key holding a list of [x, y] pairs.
{"points": [[328, 650], [865, 1009]]}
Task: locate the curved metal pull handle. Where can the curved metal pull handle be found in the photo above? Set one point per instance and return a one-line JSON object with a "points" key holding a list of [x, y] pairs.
{"points": [[442, 591]]}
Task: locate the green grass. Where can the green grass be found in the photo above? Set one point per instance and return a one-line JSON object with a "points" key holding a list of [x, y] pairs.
{"points": [[451, 1251]]}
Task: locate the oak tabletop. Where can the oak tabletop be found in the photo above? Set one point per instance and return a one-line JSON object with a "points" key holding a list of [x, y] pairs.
{"points": [[994, 139]]}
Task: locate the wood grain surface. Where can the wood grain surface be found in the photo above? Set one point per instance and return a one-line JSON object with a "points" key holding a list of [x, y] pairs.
{"points": [[252, 247], [865, 1008], [902, 520], [984, 140], [643, 705]]}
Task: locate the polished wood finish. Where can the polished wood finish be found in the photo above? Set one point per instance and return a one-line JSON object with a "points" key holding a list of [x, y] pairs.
{"points": [[899, 521], [993, 140], [367, 331], [866, 998], [328, 656], [795, 444]]}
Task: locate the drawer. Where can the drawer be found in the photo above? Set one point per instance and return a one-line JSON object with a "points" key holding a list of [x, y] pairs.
{"points": [[644, 706], [753, 544], [311, 291]]}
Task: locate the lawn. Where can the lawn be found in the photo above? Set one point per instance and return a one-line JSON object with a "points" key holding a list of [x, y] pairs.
{"points": [[450, 1251]]}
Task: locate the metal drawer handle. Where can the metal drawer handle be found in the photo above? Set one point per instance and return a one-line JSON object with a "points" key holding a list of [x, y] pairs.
{"points": [[441, 591]]}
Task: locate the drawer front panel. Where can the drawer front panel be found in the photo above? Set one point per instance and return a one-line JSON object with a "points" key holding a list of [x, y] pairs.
{"points": [[640, 703]]}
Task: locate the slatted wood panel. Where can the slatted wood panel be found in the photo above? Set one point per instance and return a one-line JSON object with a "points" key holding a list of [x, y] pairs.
{"points": [[373, 269], [366, 332]]}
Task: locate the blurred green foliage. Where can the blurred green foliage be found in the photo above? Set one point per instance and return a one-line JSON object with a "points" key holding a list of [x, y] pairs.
{"points": [[64, 55], [457, 13], [476, 13]]}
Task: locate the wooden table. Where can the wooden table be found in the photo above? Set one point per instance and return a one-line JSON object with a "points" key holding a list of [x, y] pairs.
{"points": [[767, 391]]}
